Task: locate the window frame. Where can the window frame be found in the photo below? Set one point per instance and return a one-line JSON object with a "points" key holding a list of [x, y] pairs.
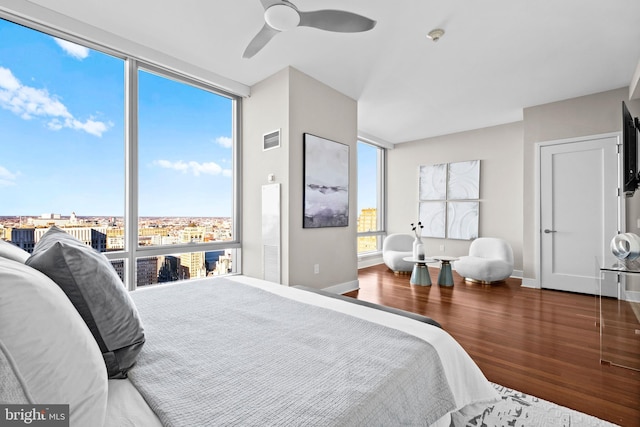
{"points": [[381, 199], [132, 251]]}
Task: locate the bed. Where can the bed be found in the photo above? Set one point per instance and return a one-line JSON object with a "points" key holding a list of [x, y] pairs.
{"points": [[231, 350]]}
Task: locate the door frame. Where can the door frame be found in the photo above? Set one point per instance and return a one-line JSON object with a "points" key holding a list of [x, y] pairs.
{"points": [[538, 196]]}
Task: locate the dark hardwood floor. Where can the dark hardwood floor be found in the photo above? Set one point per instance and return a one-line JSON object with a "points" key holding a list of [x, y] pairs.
{"points": [[541, 342]]}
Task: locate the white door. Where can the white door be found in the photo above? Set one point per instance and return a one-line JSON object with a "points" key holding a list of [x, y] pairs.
{"points": [[578, 211]]}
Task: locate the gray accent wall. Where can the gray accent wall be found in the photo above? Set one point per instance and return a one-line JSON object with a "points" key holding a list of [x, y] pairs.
{"points": [[296, 103]]}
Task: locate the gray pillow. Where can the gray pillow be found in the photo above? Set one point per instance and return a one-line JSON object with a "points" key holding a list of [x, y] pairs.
{"points": [[96, 291], [11, 251]]}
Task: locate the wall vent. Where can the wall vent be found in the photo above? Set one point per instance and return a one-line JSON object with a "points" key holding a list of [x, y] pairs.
{"points": [[271, 140]]}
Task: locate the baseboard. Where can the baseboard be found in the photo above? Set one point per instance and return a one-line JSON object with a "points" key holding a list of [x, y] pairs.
{"points": [[530, 283], [343, 288], [632, 296], [369, 261]]}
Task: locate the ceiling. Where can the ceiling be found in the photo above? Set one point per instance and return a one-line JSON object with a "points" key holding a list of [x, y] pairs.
{"points": [[496, 57]]}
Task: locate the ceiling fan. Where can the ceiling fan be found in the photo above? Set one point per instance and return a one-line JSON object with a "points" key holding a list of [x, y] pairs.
{"points": [[282, 15]]}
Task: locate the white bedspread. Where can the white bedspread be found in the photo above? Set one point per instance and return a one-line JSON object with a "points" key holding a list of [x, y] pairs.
{"points": [[293, 363]]}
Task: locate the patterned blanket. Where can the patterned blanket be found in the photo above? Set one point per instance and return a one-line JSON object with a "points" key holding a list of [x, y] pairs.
{"points": [[223, 353]]}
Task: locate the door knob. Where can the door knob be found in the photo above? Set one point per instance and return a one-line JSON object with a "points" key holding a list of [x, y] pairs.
{"points": [[547, 231]]}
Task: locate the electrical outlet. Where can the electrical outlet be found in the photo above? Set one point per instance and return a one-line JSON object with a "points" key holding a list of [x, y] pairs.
{"points": [[316, 268], [441, 248]]}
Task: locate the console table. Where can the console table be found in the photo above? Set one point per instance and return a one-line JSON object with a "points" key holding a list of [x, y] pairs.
{"points": [[619, 306]]}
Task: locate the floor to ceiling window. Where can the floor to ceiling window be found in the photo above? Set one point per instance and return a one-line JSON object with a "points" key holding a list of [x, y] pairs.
{"points": [[371, 163], [134, 160]]}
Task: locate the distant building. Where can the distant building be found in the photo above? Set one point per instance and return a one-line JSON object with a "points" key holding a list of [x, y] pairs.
{"points": [[192, 265], [48, 220], [192, 234], [368, 221], [23, 238], [96, 237], [146, 270], [224, 264], [168, 269]]}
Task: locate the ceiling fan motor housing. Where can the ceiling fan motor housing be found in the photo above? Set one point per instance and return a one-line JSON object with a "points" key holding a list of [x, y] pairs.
{"points": [[282, 17]]}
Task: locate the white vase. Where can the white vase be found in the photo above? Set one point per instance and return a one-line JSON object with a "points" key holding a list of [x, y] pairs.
{"points": [[418, 249]]}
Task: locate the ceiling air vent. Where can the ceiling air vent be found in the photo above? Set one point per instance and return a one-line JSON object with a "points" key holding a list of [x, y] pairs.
{"points": [[271, 140]]}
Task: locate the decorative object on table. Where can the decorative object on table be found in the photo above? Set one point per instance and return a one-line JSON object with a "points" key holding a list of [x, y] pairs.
{"points": [[395, 247], [418, 246], [626, 246], [490, 260], [326, 183]]}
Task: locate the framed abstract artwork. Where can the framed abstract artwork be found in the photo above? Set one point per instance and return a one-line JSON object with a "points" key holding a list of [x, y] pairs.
{"points": [[464, 180], [433, 182], [449, 200], [432, 215], [462, 220], [326, 183]]}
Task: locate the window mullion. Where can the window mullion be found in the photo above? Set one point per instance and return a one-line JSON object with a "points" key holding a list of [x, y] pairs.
{"points": [[131, 172]]}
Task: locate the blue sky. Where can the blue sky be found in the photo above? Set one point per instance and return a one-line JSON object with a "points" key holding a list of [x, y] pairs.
{"points": [[367, 176], [62, 135]]}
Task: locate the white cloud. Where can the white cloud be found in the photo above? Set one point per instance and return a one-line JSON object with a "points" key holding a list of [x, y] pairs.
{"points": [[7, 178], [195, 168], [29, 102], [7, 80], [224, 141], [72, 49]]}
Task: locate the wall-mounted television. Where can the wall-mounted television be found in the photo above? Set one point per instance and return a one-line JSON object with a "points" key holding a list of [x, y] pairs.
{"points": [[630, 127]]}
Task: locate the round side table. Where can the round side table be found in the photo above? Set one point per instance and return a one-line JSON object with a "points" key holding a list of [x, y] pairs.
{"points": [[445, 277], [420, 274]]}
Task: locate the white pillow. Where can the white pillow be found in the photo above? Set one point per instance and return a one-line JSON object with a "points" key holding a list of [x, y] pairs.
{"points": [[51, 345], [11, 251]]}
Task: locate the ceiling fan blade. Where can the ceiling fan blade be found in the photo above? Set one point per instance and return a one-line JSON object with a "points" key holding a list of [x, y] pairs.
{"points": [[259, 41], [268, 3], [336, 20]]}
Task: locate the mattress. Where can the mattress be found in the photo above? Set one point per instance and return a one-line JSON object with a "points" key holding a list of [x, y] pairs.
{"points": [[127, 406]]}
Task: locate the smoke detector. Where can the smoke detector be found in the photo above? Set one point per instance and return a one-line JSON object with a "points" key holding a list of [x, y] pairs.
{"points": [[435, 34]]}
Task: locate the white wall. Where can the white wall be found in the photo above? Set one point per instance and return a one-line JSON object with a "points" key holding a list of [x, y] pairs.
{"points": [[266, 110], [499, 150], [297, 104]]}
